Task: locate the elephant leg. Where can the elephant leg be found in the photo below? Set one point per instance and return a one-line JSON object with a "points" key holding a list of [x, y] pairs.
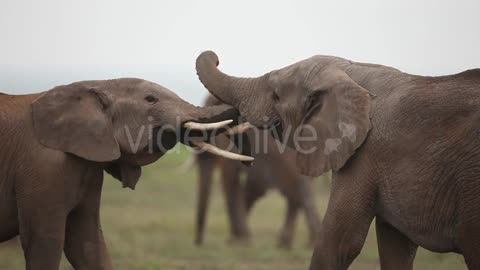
{"points": [[471, 251], [346, 223], [254, 189], [286, 235], [42, 232], [468, 235], [307, 198], [234, 199], [396, 251], [206, 164], [85, 247]]}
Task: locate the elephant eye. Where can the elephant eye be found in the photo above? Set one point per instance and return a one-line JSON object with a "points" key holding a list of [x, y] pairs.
{"points": [[315, 99], [275, 96], [151, 99]]}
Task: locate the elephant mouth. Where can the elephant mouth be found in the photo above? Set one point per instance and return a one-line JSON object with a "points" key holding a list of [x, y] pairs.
{"points": [[165, 139]]}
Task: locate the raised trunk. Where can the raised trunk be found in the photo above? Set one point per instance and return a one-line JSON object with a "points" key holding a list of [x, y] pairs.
{"points": [[249, 95], [217, 82]]}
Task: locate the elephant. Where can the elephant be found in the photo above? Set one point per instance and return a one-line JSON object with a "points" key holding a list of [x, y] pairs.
{"points": [[56, 145], [272, 169], [403, 150]]}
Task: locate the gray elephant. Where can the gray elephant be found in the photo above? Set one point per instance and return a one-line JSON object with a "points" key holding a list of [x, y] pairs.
{"points": [[56, 145], [404, 149], [273, 169]]}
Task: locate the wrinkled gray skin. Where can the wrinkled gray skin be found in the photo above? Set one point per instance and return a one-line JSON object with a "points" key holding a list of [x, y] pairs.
{"points": [[54, 149], [417, 172], [272, 169]]}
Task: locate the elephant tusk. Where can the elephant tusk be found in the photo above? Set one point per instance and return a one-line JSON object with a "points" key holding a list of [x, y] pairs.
{"points": [[240, 128], [206, 126], [220, 152]]}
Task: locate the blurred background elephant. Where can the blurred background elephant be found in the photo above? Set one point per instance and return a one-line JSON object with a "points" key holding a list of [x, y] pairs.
{"points": [[272, 169]]}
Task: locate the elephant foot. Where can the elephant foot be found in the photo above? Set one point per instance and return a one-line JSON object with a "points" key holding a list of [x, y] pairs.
{"points": [[198, 242], [239, 241], [284, 242]]}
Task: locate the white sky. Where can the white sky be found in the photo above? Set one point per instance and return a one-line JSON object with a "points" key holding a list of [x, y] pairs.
{"points": [[47, 43]]}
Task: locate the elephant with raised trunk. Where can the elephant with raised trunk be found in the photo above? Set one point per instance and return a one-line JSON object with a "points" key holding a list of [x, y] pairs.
{"points": [[404, 149], [274, 168], [56, 145]]}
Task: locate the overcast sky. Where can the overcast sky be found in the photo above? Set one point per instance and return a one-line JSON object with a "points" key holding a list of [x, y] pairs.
{"points": [[48, 43]]}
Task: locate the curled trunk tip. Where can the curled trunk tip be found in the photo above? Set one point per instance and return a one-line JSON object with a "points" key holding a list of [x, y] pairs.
{"points": [[212, 78], [208, 57], [241, 93]]}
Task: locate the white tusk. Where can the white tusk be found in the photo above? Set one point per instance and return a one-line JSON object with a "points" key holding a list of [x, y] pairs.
{"points": [[220, 152], [206, 126], [240, 128]]}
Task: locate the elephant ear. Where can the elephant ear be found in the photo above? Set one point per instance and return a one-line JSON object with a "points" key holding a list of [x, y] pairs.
{"points": [[338, 112], [127, 174], [74, 119]]}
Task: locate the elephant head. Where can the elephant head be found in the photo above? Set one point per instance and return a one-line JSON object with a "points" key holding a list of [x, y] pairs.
{"points": [[314, 104], [124, 123]]}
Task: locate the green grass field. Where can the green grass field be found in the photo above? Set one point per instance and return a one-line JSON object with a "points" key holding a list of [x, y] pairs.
{"points": [[152, 228]]}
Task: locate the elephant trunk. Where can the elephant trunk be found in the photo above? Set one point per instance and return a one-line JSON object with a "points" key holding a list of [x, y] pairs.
{"points": [[211, 114], [243, 93]]}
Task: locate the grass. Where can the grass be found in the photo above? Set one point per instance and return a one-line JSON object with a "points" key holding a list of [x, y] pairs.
{"points": [[152, 228]]}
